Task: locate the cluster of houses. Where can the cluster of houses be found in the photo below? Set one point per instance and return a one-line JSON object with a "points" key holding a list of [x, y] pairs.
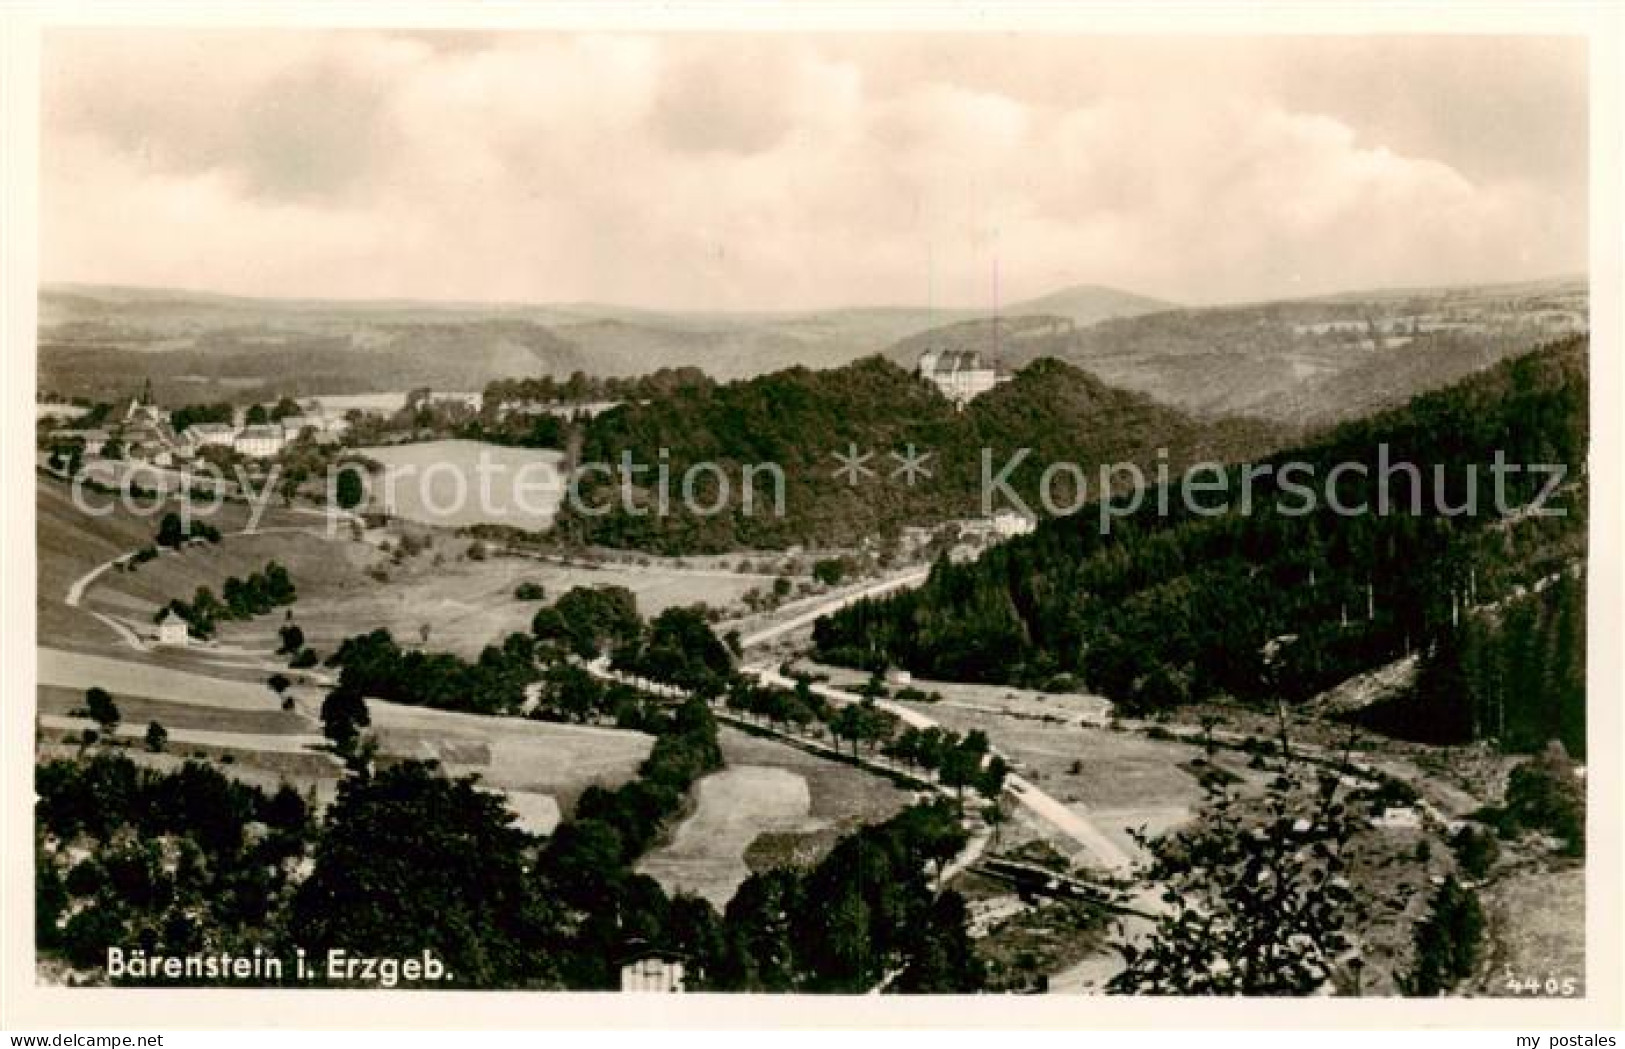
{"points": [[969, 535], [145, 432]]}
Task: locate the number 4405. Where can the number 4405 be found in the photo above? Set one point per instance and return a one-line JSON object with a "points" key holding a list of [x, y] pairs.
{"points": [[1551, 986]]}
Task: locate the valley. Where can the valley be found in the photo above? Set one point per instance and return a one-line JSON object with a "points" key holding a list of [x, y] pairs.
{"points": [[689, 714]]}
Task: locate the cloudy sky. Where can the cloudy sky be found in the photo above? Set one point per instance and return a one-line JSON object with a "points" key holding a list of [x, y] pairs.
{"points": [[735, 171]]}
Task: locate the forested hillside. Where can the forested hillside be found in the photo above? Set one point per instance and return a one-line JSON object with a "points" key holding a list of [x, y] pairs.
{"points": [[799, 419], [1513, 673], [1286, 600]]}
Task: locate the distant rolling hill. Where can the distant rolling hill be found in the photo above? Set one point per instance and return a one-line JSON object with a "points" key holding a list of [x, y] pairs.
{"points": [[201, 345], [1305, 362], [102, 342], [1085, 304]]}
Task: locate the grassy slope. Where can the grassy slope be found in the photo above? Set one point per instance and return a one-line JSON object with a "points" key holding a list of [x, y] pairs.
{"points": [[70, 542]]}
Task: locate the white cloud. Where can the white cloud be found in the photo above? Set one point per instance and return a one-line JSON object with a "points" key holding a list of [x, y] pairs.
{"points": [[761, 171]]}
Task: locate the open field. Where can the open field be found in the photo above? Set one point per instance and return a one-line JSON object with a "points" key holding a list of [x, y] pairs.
{"points": [[218, 694], [773, 806], [454, 484], [549, 764], [986, 699], [1120, 780], [298, 746], [513, 754], [840, 792], [139, 710], [467, 604], [844, 798], [706, 853], [315, 563], [122, 677]]}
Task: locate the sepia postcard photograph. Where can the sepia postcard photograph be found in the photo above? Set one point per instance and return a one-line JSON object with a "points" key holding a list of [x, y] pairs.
{"points": [[900, 510]]}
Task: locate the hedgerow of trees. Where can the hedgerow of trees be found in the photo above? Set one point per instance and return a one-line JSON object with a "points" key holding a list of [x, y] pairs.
{"points": [[261, 592]]}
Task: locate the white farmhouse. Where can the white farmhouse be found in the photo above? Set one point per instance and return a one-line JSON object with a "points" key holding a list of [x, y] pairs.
{"points": [[653, 972], [172, 630], [1398, 817]]}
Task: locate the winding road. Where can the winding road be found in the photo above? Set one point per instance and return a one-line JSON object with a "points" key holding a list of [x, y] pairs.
{"points": [[907, 579], [1105, 853]]}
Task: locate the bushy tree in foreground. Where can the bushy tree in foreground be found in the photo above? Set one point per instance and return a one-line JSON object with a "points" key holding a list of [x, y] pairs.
{"points": [[344, 715], [1544, 793], [1449, 943], [451, 879], [103, 711], [1256, 905]]}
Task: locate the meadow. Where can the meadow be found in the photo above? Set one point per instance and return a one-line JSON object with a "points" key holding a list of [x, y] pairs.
{"points": [[706, 853], [455, 484], [345, 585], [542, 767]]}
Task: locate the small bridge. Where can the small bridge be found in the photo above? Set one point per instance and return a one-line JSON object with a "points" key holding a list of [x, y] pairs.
{"points": [[1031, 879]]}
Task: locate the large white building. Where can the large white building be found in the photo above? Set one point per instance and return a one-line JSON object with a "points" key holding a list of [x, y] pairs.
{"points": [[205, 435], [959, 374], [259, 442]]}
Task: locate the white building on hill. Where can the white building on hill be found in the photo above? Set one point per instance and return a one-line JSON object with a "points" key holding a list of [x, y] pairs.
{"points": [[259, 442], [1008, 523], [960, 374], [1400, 817], [172, 629]]}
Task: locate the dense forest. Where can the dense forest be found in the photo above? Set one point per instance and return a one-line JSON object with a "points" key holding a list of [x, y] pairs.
{"points": [[799, 419], [1513, 673], [1290, 599]]}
